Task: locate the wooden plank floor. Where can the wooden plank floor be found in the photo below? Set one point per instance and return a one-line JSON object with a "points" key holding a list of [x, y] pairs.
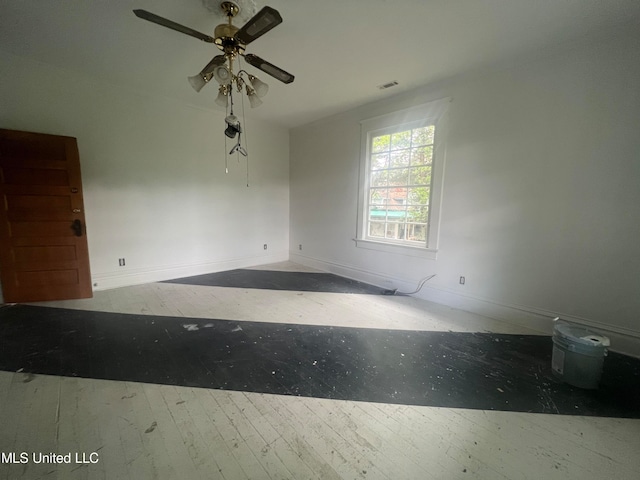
{"points": [[138, 430], [157, 431]]}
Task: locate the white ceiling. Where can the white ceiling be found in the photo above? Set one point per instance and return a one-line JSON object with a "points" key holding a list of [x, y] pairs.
{"points": [[339, 50]]}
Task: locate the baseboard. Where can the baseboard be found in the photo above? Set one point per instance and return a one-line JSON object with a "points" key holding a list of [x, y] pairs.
{"points": [[622, 340], [109, 280]]}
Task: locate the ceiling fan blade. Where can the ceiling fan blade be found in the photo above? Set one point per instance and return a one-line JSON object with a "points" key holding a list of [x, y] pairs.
{"points": [[258, 25], [152, 17], [269, 68], [215, 62]]}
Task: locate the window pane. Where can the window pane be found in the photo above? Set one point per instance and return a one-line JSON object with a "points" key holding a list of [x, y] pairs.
{"points": [[418, 214], [379, 178], [396, 212], [431, 130], [419, 196], [400, 158], [401, 140], [395, 231], [399, 176], [421, 155], [420, 136], [417, 232], [396, 215], [397, 196], [378, 196], [376, 229], [380, 144], [379, 161], [420, 176], [377, 213]]}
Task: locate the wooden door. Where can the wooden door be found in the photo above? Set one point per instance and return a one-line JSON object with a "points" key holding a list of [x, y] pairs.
{"points": [[43, 243]]}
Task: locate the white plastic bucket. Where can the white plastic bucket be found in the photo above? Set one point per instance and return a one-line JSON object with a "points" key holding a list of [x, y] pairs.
{"points": [[578, 355]]}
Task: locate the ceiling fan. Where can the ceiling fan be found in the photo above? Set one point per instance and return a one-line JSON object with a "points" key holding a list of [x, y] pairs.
{"points": [[232, 41]]}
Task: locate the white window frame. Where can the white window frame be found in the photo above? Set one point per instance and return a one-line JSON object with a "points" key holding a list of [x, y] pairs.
{"points": [[432, 113]]}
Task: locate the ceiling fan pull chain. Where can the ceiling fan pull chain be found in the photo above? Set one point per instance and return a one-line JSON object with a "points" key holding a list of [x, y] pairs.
{"points": [[226, 158], [246, 142]]}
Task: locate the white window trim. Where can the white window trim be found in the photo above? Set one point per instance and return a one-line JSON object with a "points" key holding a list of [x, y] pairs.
{"points": [[432, 113]]}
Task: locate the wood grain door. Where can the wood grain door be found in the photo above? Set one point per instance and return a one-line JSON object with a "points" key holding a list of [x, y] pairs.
{"points": [[43, 243]]}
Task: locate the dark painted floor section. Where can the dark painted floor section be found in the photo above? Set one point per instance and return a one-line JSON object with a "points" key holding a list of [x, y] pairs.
{"points": [[275, 280], [445, 369]]}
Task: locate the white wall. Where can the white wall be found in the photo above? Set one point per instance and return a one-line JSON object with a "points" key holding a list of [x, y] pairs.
{"points": [[155, 190], [541, 205]]}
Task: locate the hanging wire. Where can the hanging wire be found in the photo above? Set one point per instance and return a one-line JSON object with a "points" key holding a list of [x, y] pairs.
{"points": [[229, 111], [226, 155], [420, 285], [246, 138]]}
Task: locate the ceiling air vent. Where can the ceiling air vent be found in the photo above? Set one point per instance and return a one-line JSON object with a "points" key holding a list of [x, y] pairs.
{"points": [[387, 85]]}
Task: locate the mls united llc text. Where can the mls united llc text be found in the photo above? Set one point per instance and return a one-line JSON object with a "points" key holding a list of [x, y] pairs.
{"points": [[39, 457]]}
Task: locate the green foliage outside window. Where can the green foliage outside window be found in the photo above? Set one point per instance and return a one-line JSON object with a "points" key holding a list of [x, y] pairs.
{"points": [[400, 170]]}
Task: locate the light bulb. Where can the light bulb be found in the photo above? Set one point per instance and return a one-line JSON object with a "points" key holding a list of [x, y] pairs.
{"points": [[222, 75]]}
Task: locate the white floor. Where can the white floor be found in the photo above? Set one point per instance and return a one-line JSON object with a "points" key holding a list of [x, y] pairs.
{"points": [[140, 431]]}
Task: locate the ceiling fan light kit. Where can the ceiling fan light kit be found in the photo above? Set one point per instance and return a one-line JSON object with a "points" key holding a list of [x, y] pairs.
{"points": [[197, 82], [232, 41], [254, 99], [223, 96], [222, 75], [259, 86]]}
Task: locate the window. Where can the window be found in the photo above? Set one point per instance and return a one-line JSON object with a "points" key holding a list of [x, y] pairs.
{"points": [[401, 179], [400, 184]]}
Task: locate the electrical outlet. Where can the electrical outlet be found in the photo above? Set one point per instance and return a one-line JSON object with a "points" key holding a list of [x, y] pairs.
{"points": [[265, 246], [300, 247], [121, 262], [462, 280]]}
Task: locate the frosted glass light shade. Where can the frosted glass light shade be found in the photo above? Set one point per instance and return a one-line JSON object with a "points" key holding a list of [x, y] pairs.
{"points": [[254, 100], [259, 86], [197, 82], [222, 99], [222, 75]]}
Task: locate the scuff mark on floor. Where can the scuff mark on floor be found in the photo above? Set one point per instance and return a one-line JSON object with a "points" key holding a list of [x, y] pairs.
{"points": [[151, 428]]}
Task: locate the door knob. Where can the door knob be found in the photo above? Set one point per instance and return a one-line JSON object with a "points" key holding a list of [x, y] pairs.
{"points": [[76, 226]]}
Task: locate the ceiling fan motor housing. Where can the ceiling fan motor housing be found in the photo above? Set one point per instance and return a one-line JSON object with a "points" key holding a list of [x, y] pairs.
{"points": [[225, 40]]}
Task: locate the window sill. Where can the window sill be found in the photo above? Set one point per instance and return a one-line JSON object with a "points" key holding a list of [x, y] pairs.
{"points": [[405, 250]]}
